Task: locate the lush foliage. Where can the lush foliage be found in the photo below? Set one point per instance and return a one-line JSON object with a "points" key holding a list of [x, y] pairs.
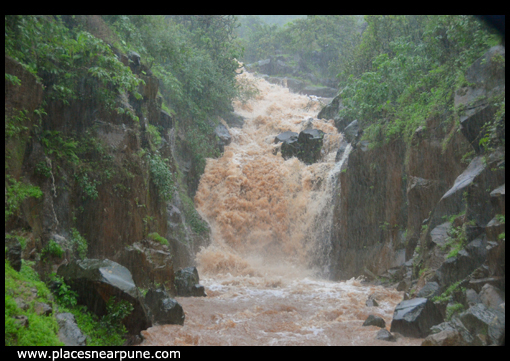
{"points": [[15, 193], [162, 177], [101, 331], [65, 59], [41, 330], [406, 69], [156, 237]]}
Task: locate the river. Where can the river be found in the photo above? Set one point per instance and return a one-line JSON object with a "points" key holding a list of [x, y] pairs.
{"points": [[270, 221]]}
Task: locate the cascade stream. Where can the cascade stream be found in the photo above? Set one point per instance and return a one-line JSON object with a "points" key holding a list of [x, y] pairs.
{"points": [[264, 273]]}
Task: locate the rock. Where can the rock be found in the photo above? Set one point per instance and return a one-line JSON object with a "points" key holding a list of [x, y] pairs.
{"points": [[233, 120], [463, 264], [224, 137], [311, 141], [477, 284], [374, 321], [487, 76], [472, 123], [452, 202], [457, 268], [135, 61], [21, 321], [414, 318], [163, 309], [295, 85], [455, 326], [371, 302], [43, 309], [431, 289], [472, 297], [187, 283], [385, 335], [69, 332], [149, 262], [96, 281], [491, 296], [13, 252], [479, 319], [495, 247], [306, 146], [444, 338], [498, 199], [439, 234], [22, 305], [351, 131], [286, 137], [331, 110], [320, 91], [165, 120]]}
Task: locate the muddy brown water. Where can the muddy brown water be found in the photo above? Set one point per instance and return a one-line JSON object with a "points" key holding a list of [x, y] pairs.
{"points": [[268, 217]]}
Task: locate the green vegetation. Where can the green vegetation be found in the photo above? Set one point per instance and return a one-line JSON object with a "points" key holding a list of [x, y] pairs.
{"points": [[78, 243], [453, 309], [197, 224], [101, 331], [406, 69], [16, 193], [41, 330], [53, 249], [161, 175], [156, 237], [447, 294]]}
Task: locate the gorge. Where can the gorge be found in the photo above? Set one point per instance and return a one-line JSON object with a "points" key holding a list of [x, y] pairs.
{"points": [[375, 216]]}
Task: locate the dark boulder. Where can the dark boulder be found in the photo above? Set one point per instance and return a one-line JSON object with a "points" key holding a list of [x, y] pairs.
{"points": [[306, 146], [233, 120], [286, 137], [445, 338], [485, 321], [385, 335], [149, 262], [96, 281], [224, 137], [498, 199], [13, 252], [414, 318], [163, 309], [69, 333], [431, 289], [320, 91], [371, 302], [374, 321], [495, 247], [311, 141], [460, 266], [491, 296], [187, 283]]}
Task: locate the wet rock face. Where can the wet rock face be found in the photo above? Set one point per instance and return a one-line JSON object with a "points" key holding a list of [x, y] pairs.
{"points": [[13, 253], [224, 137], [149, 262], [96, 281], [414, 318], [69, 332], [306, 145], [163, 309], [187, 283], [374, 321]]}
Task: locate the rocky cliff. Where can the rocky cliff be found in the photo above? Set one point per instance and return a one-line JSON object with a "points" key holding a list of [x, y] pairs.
{"points": [[431, 210]]}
